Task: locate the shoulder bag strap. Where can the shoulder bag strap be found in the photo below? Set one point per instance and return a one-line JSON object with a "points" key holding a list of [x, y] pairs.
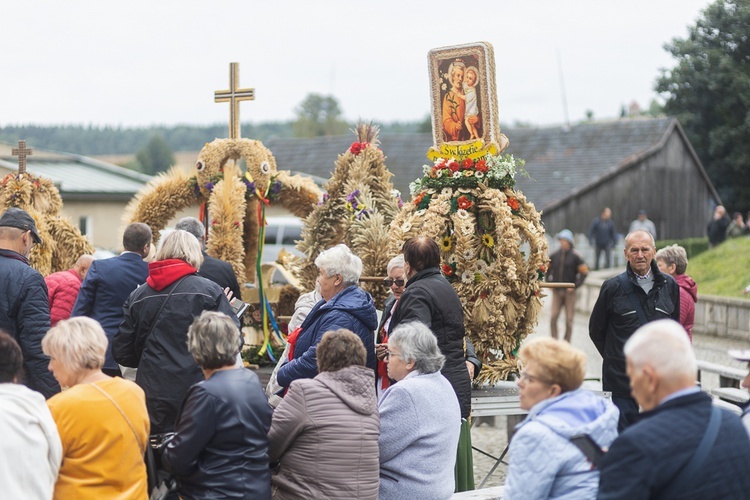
{"points": [[688, 474], [161, 308], [104, 393], [627, 286]]}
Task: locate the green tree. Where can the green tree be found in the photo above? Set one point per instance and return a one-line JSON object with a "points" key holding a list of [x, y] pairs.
{"points": [[155, 156], [709, 92], [319, 115]]}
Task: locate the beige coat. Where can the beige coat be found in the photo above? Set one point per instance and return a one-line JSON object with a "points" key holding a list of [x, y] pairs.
{"points": [[325, 436]]}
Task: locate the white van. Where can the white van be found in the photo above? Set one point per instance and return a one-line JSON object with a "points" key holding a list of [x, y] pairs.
{"points": [[281, 232]]}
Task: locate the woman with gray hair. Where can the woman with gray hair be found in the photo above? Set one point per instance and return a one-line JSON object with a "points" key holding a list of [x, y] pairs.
{"points": [[420, 419], [344, 305], [103, 421], [396, 281], [672, 260], [153, 333], [220, 447]]}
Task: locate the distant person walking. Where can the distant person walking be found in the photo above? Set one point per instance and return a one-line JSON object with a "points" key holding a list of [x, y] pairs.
{"points": [[717, 227], [643, 222], [602, 237], [566, 266], [737, 227]]}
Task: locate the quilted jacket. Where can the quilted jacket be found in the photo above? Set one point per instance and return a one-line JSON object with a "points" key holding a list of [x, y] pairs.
{"points": [[324, 435], [62, 290], [543, 462]]}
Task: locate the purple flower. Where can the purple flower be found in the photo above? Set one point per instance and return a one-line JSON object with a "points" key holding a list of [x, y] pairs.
{"points": [[400, 202], [352, 196], [210, 186], [249, 185], [276, 187]]}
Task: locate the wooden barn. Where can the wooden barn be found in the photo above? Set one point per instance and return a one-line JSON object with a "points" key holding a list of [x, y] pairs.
{"points": [[627, 165]]}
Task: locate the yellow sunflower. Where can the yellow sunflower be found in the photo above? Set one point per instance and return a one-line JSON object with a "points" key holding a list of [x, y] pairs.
{"points": [[446, 243], [488, 240]]}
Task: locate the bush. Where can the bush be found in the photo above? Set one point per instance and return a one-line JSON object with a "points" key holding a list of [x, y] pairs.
{"points": [[693, 246]]}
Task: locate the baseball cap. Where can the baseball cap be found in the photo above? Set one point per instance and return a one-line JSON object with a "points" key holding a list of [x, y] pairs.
{"points": [[740, 355], [15, 217]]}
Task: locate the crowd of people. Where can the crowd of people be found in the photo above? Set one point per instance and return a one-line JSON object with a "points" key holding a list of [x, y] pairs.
{"points": [[357, 407]]}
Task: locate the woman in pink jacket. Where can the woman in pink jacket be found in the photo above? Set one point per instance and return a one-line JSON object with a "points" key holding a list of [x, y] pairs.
{"points": [[673, 260]]}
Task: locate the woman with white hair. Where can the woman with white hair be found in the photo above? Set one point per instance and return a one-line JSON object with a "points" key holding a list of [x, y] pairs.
{"points": [[220, 447], [344, 305], [420, 419], [153, 333], [103, 421]]}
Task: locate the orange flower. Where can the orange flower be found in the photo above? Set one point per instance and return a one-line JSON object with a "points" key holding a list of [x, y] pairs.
{"points": [[418, 199], [513, 203], [464, 202]]}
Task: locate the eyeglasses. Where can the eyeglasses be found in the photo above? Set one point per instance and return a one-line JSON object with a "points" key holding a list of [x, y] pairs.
{"points": [[532, 378], [390, 354], [391, 281]]}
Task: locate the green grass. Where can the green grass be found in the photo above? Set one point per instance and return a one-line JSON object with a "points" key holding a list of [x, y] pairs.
{"points": [[724, 270]]}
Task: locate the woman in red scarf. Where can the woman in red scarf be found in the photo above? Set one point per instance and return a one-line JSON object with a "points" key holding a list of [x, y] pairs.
{"points": [[153, 333]]}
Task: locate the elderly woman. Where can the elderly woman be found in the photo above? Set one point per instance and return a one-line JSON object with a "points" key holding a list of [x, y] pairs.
{"points": [[420, 419], [543, 461], [344, 305], [103, 421], [220, 447], [396, 281], [30, 449], [153, 333], [672, 260], [324, 433]]}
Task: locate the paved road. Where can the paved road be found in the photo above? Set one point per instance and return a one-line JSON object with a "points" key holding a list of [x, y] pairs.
{"points": [[494, 438]]}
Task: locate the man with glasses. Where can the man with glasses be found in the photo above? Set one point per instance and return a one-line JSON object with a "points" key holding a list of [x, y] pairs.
{"points": [[24, 305], [626, 302]]}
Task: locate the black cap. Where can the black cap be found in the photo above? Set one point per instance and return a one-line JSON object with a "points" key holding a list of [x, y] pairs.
{"points": [[15, 217]]}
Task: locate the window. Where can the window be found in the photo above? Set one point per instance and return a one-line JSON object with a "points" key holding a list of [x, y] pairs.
{"points": [[291, 234]]}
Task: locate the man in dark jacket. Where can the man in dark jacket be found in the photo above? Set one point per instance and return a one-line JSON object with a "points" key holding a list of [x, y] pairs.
{"points": [[717, 226], [602, 237], [24, 307], [109, 282], [664, 455], [566, 265], [642, 290], [430, 299], [216, 270]]}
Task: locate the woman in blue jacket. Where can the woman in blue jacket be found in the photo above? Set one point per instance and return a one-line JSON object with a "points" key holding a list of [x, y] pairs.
{"points": [[344, 305], [544, 463]]}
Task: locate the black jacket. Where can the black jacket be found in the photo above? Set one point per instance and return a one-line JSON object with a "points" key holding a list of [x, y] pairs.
{"points": [[24, 315], [649, 454], [158, 346], [220, 449], [613, 320], [430, 299], [221, 273]]}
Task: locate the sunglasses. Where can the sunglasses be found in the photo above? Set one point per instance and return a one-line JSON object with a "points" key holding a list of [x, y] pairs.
{"points": [[391, 281]]}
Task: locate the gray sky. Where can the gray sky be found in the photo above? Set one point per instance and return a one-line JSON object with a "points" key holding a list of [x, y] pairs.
{"points": [[159, 61]]}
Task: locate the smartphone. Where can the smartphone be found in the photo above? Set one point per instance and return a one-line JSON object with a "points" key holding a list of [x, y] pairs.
{"points": [[589, 448], [238, 306]]}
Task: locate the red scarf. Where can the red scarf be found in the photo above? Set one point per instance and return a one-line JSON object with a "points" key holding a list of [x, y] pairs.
{"points": [[163, 273], [291, 339], [383, 367]]}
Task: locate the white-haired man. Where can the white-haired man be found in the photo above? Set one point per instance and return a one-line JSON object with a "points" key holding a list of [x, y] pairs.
{"points": [[682, 447]]}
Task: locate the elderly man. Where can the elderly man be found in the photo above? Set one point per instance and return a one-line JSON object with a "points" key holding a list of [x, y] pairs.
{"points": [[24, 306], [63, 286], [216, 270], [626, 302], [682, 447], [109, 283], [717, 226], [431, 300]]}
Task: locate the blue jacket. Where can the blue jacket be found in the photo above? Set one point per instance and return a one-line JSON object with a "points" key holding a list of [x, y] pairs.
{"points": [[351, 308], [103, 292], [649, 454], [543, 462], [24, 315]]}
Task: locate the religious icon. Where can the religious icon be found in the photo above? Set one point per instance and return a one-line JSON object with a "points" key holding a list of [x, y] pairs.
{"points": [[464, 102]]}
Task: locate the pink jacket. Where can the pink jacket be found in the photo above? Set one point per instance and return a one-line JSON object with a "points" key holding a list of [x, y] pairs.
{"points": [[62, 289], [688, 298]]}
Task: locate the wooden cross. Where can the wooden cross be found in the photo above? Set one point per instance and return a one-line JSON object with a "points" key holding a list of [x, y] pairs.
{"points": [[233, 96], [22, 152]]}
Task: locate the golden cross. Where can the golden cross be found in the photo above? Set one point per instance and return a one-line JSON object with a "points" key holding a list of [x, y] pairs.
{"points": [[22, 152], [233, 96]]}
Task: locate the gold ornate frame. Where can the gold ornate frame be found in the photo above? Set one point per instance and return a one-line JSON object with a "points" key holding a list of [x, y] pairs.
{"points": [[439, 60]]}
